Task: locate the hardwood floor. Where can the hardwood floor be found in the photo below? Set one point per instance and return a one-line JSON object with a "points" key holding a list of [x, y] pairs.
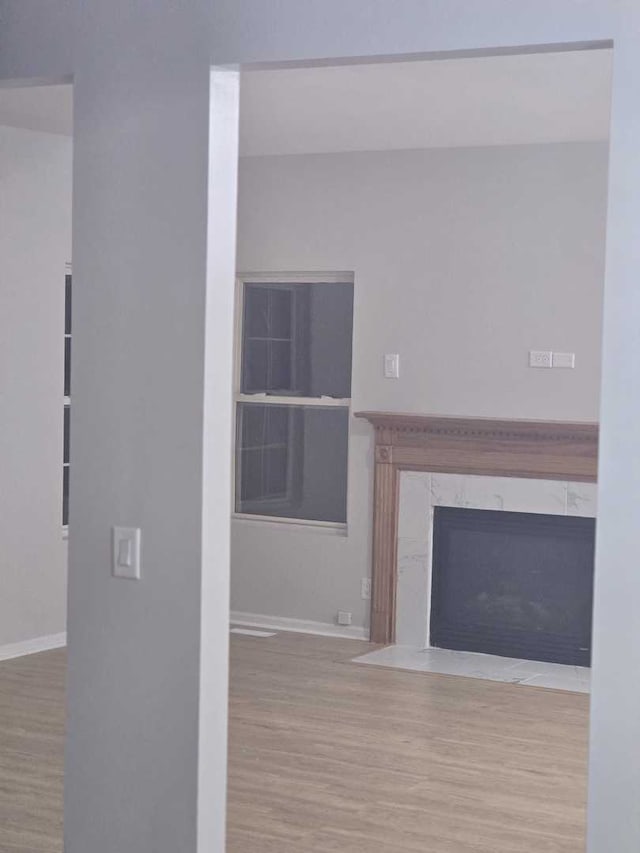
{"points": [[31, 749], [327, 756]]}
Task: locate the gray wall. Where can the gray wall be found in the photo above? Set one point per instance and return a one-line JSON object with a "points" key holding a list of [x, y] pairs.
{"points": [[35, 244], [463, 260], [147, 676]]}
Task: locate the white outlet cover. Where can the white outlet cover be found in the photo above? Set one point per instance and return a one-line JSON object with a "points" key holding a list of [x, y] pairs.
{"points": [[344, 617], [540, 358]]}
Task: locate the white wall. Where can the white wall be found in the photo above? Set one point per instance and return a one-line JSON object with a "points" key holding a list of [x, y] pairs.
{"points": [[463, 261], [35, 244]]}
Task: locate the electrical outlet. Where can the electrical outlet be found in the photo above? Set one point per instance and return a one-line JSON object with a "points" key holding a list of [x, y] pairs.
{"points": [[540, 358], [344, 617], [365, 589]]}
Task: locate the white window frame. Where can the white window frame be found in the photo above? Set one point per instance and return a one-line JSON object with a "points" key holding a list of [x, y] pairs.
{"points": [[338, 278], [66, 400]]}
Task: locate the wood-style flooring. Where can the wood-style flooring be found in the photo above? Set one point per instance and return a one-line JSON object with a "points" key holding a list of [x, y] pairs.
{"points": [[31, 750], [327, 756]]}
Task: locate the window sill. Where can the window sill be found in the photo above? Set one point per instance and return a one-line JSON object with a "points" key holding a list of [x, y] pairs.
{"points": [[292, 400], [302, 525]]}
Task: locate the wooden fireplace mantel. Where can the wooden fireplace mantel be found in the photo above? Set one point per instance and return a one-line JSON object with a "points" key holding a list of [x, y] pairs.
{"points": [[545, 450]]}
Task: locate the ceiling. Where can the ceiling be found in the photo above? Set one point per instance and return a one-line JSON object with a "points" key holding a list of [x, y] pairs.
{"points": [[45, 108], [500, 100]]}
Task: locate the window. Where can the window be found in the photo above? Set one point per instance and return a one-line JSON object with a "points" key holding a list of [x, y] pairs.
{"points": [[67, 398], [293, 397]]}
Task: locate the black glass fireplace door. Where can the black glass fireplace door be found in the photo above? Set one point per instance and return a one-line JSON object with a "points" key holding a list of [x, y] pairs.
{"points": [[513, 584]]}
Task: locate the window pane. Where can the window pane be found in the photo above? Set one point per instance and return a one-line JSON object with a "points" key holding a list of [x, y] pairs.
{"points": [[291, 461], [280, 307], [255, 366], [65, 495], [65, 444], [279, 358], [67, 367], [297, 339], [256, 311], [330, 329], [67, 305], [265, 425]]}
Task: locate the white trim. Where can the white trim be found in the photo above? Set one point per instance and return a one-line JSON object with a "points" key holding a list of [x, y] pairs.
{"points": [[237, 347], [298, 626], [321, 402], [280, 277], [32, 647], [252, 632], [336, 528]]}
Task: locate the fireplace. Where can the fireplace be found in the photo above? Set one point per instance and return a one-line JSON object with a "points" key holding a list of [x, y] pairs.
{"points": [[514, 584], [540, 453]]}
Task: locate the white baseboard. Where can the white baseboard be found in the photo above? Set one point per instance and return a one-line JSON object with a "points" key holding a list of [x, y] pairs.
{"points": [[299, 626], [31, 647]]}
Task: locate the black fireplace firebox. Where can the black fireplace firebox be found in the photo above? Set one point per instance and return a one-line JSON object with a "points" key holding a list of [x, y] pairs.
{"points": [[513, 584]]}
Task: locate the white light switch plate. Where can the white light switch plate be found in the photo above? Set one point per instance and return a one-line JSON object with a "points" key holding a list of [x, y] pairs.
{"points": [[564, 359], [392, 366], [126, 552]]}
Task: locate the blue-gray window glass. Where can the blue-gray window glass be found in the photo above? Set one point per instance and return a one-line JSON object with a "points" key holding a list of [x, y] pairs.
{"points": [[291, 460]]}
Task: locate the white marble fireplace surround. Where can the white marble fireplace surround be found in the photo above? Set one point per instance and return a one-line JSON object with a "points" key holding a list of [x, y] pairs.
{"points": [[419, 493]]}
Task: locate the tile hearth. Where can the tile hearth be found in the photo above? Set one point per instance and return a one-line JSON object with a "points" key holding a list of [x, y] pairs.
{"points": [[527, 673]]}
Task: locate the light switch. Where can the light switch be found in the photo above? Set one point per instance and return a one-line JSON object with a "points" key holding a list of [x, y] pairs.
{"points": [[126, 552], [125, 557], [564, 359], [392, 366]]}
